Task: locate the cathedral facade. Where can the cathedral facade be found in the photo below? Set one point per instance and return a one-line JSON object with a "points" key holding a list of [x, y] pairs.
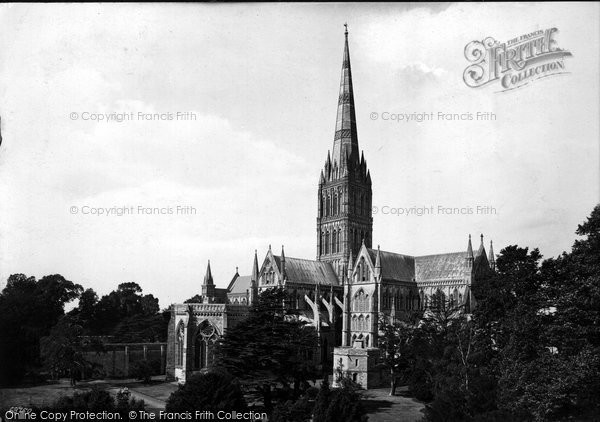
{"points": [[346, 289]]}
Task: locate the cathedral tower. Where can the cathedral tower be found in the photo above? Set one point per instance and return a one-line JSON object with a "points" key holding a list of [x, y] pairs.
{"points": [[344, 216]]}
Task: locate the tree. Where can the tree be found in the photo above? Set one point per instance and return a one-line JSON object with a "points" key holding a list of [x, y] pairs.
{"points": [[142, 328], [124, 313], [272, 345], [194, 299], [395, 342], [339, 404], [211, 391], [86, 308], [63, 350], [28, 309], [293, 411], [142, 370]]}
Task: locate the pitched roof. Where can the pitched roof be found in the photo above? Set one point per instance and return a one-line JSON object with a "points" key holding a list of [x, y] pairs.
{"points": [[308, 271], [394, 266], [240, 284], [446, 266]]}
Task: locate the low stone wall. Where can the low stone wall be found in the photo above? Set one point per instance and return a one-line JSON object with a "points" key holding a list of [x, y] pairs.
{"points": [[118, 358]]}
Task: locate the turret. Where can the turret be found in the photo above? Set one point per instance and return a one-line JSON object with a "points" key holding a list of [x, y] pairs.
{"points": [[283, 272], [208, 286], [469, 258], [254, 281]]}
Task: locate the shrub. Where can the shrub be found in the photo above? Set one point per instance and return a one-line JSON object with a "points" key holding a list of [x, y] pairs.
{"points": [[98, 400], [339, 404], [210, 391], [95, 399], [293, 411], [142, 370]]}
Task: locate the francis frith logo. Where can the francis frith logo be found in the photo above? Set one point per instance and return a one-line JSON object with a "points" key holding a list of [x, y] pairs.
{"points": [[516, 62]]}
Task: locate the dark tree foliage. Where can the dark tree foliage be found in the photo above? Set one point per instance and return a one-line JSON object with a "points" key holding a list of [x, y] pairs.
{"points": [[293, 411], [142, 328], [64, 350], [531, 348], [28, 309], [211, 391], [271, 346], [142, 370], [125, 313], [98, 400], [194, 299], [396, 343], [339, 404], [125, 302]]}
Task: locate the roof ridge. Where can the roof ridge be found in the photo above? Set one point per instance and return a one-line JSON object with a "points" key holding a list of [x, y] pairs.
{"points": [[440, 254], [390, 252], [287, 258]]}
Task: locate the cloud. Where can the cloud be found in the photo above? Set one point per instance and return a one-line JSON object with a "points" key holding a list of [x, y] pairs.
{"points": [[262, 83]]}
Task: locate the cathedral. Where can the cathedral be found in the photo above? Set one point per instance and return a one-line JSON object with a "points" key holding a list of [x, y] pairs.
{"points": [[349, 285]]}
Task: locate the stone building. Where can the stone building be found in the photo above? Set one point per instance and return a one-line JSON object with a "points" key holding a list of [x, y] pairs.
{"points": [[194, 328], [392, 285], [347, 288]]}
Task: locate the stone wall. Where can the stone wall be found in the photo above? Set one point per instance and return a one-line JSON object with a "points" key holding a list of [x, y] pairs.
{"points": [[118, 358]]}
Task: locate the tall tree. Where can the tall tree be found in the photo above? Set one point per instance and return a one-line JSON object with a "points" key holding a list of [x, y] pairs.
{"points": [[395, 341], [271, 346], [28, 309], [212, 391], [63, 350]]}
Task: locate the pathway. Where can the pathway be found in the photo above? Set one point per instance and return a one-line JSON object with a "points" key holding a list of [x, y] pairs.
{"points": [[399, 408]]}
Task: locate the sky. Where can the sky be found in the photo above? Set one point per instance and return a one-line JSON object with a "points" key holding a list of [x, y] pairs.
{"points": [[256, 89]]}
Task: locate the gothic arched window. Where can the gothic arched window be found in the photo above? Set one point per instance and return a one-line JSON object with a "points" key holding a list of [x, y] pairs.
{"points": [[334, 248], [321, 206], [362, 204], [335, 202], [361, 302]]}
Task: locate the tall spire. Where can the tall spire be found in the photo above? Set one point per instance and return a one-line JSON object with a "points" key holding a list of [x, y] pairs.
{"points": [[469, 258], [469, 249], [492, 258], [346, 138], [255, 268], [208, 278], [481, 250], [254, 281], [344, 217]]}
